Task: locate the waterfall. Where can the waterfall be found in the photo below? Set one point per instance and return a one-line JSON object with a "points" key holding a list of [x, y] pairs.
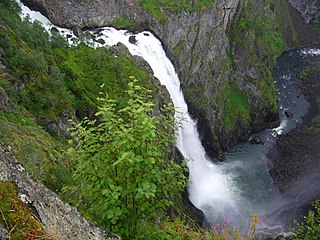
{"points": [[209, 185]]}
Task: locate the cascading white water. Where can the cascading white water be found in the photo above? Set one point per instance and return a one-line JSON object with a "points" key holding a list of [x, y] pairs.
{"points": [[209, 184]]}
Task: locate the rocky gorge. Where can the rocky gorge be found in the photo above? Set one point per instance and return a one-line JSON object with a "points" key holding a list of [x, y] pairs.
{"points": [[224, 54], [213, 48]]}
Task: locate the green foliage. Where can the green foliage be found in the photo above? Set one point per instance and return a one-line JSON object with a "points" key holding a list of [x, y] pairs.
{"points": [[181, 229], [306, 71], [179, 48], [310, 228], [86, 69], [256, 32], [316, 119], [234, 106], [123, 22], [28, 54], [316, 25], [39, 153], [158, 8], [123, 164]]}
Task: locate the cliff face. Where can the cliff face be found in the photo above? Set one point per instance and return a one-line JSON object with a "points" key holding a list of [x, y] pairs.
{"points": [[309, 9], [220, 88], [58, 218]]}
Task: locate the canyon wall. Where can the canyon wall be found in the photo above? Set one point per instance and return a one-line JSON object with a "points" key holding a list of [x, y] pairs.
{"points": [[229, 96]]}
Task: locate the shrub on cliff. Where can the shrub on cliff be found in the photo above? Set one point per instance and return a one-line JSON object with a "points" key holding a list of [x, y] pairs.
{"points": [[310, 229], [122, 162]]}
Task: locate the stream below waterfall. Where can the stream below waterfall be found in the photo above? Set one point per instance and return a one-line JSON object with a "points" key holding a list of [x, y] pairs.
{"points": [[241, 184]]}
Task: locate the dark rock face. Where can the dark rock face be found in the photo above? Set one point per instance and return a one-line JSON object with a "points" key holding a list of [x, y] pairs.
{"points": [[309, 9], [297, 32], [59, 218], [195, 214], [197, 44], [2, 66], [296, 154], [60, 125], [4, 100]]}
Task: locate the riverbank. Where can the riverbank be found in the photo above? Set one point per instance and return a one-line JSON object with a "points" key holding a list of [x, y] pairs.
{"points": [[296, 155]]}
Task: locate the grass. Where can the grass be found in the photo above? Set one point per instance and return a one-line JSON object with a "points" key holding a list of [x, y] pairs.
{"points": [[160, 9], [234, 106], [306, 71], [123, 22]]}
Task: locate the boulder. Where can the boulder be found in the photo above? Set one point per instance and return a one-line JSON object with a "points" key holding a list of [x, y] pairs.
{"points": [[256, 140], [288, 114], [132, 40]]}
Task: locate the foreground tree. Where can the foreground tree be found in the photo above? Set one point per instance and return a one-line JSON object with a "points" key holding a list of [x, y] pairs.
{"points": [[123, 163]]}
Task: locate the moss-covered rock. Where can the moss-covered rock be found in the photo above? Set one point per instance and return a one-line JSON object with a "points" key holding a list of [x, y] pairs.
{"points": [[17, 218]]}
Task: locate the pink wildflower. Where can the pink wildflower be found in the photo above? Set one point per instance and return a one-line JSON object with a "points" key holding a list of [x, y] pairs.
{"points": [[226, 221]]}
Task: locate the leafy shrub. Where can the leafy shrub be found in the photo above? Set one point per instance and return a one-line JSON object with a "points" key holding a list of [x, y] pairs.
{"points": [[310, 228], [123, 164]]}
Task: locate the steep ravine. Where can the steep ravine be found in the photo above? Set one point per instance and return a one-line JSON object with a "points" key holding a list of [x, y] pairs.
{"points": [[206, 56]]}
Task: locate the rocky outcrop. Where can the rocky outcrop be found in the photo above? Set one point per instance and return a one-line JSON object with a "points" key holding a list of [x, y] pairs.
{"points": [[4, 100], [59, 219], [199, 47], [309, 9]]}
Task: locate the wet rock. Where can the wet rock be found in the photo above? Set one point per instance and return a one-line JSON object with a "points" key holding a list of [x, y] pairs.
{"points": [[195, 213], [256, 140], [220, 156], [288, 114], [4, 100], [132, 40], [58, 218], [101, 41]]}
